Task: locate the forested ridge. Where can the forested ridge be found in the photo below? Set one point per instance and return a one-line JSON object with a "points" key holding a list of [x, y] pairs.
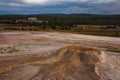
{"points": [[92, 19]]}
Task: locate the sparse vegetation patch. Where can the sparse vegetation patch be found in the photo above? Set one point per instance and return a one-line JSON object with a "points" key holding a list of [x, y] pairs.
{"points": [[114, 50], [8, 49]]}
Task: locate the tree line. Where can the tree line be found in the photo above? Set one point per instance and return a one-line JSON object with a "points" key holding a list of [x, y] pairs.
{"points": [[62, 21]]}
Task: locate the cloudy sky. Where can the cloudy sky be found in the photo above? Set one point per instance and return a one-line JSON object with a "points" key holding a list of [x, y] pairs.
{"points": [[59, 6]]}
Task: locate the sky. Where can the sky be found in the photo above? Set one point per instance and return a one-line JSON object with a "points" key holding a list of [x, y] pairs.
{"points": [[59, 6]]}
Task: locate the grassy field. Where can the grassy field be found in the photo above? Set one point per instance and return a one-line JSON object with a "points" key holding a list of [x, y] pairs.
{"points": [[114, 50], [109, 33], [102, 33], [89, 31]]}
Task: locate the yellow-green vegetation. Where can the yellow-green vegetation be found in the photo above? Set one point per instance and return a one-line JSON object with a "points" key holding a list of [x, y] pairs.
{"points": [[114, 50], [109, 33], [102, 33], [8, 49]]}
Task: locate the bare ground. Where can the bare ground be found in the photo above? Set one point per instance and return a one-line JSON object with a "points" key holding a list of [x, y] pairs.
{"points": [[26, 48]]}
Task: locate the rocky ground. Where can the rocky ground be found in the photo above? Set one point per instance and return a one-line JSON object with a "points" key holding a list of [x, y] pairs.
{"points": [[49, 56]]}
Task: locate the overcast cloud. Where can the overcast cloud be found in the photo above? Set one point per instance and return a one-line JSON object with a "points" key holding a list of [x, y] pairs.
{"points": [[59, 6]]}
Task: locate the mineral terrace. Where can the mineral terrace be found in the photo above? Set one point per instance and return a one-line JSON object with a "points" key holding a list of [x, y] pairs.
{"points": [[58, 56]]}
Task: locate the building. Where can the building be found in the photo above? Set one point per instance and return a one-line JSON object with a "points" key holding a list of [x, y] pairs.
{"points": [[32, 19]]}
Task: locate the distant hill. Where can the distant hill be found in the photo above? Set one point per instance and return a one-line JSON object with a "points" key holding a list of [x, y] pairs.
{"points": [[70, 18]]}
